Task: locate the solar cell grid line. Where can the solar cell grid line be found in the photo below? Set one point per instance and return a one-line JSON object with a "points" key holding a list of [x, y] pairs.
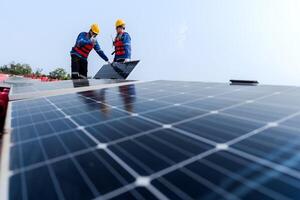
{"points": [[283, 155], [109, 139], [182, 164], [170, 105], [262, 112], [114, 156], [263, 177], [168, 170], [24, 191], [274, 93], [54, 178], [50, 171], [151, 135], [268, 95], [190, 92], [222, 192], [160, 155], [277, 167], [204, 92], [248, 172], [229, 107], [80, 170], [231, 181], [55, 120], [25, 112], [117, 192], [269, 125], [268, 101], [154, 152], [284, 124], [157, 193], [250, 134], [52, 175], [175, 93], [212, 113], [293, 122], [175, 190], [140, 193], [117, 175], [167, 143], [117, 107], [35, 118], [239, 178], [75, 123], [52, 160], [62, 132], [88, 134]]}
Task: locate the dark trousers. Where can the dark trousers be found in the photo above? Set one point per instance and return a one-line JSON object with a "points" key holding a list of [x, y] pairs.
{"points": [[79, 67], [119, 60]]}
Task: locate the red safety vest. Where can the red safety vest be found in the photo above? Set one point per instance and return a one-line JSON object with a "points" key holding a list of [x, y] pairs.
{"points": [[84, 50], [119, 46]]}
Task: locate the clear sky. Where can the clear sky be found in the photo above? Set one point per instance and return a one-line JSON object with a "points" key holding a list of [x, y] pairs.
{"points": [[202, 40]]}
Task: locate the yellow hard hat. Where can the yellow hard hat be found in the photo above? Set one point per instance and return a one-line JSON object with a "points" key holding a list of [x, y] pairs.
{"points": [[120, 22], [95, 28]]}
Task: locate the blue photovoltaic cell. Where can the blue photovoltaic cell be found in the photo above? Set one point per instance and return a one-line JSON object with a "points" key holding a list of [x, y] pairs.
{"points": [[261, 112], [151, 153], [157, 140], [224, 175], [219, 128], [266, 145], [212, 103]]}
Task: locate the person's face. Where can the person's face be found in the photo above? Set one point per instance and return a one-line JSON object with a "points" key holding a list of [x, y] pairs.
{"points": [[120, 29], [92, 34]]}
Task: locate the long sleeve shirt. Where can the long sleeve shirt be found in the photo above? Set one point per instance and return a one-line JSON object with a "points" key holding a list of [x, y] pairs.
{"points": [[83, 41]]}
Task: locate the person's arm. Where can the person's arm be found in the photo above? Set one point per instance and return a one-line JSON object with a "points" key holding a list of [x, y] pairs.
{"points": [[100, 52], [127, 45], [82, 40]]}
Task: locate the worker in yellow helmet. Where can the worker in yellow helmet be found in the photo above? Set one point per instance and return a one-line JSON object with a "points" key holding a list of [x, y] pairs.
{"points": [[86, 41], [122, 43]]}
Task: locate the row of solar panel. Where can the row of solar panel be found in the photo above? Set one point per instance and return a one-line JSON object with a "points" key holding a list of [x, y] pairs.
{"points": [[160, 130]]}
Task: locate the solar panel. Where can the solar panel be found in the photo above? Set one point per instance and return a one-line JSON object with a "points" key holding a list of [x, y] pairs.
{"points": [[22, 89], [116, 70], [155, 140]]}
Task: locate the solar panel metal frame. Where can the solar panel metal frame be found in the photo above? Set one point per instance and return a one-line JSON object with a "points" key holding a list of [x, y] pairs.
{"points": [[58, 91]]}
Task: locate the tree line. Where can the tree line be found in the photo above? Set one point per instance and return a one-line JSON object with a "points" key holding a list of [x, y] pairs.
{"points": [[27, 71]]}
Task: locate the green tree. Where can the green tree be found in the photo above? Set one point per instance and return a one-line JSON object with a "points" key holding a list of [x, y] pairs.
{"points": [[5, 69], [38, 72], [20, 69], [59, 73], [16, 69]]}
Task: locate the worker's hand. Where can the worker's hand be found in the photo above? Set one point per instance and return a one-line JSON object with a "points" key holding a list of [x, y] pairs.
{"points": [[126, 60]]}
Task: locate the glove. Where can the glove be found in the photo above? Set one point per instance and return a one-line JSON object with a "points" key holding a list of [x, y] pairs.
{"points": [[126, 60]]}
